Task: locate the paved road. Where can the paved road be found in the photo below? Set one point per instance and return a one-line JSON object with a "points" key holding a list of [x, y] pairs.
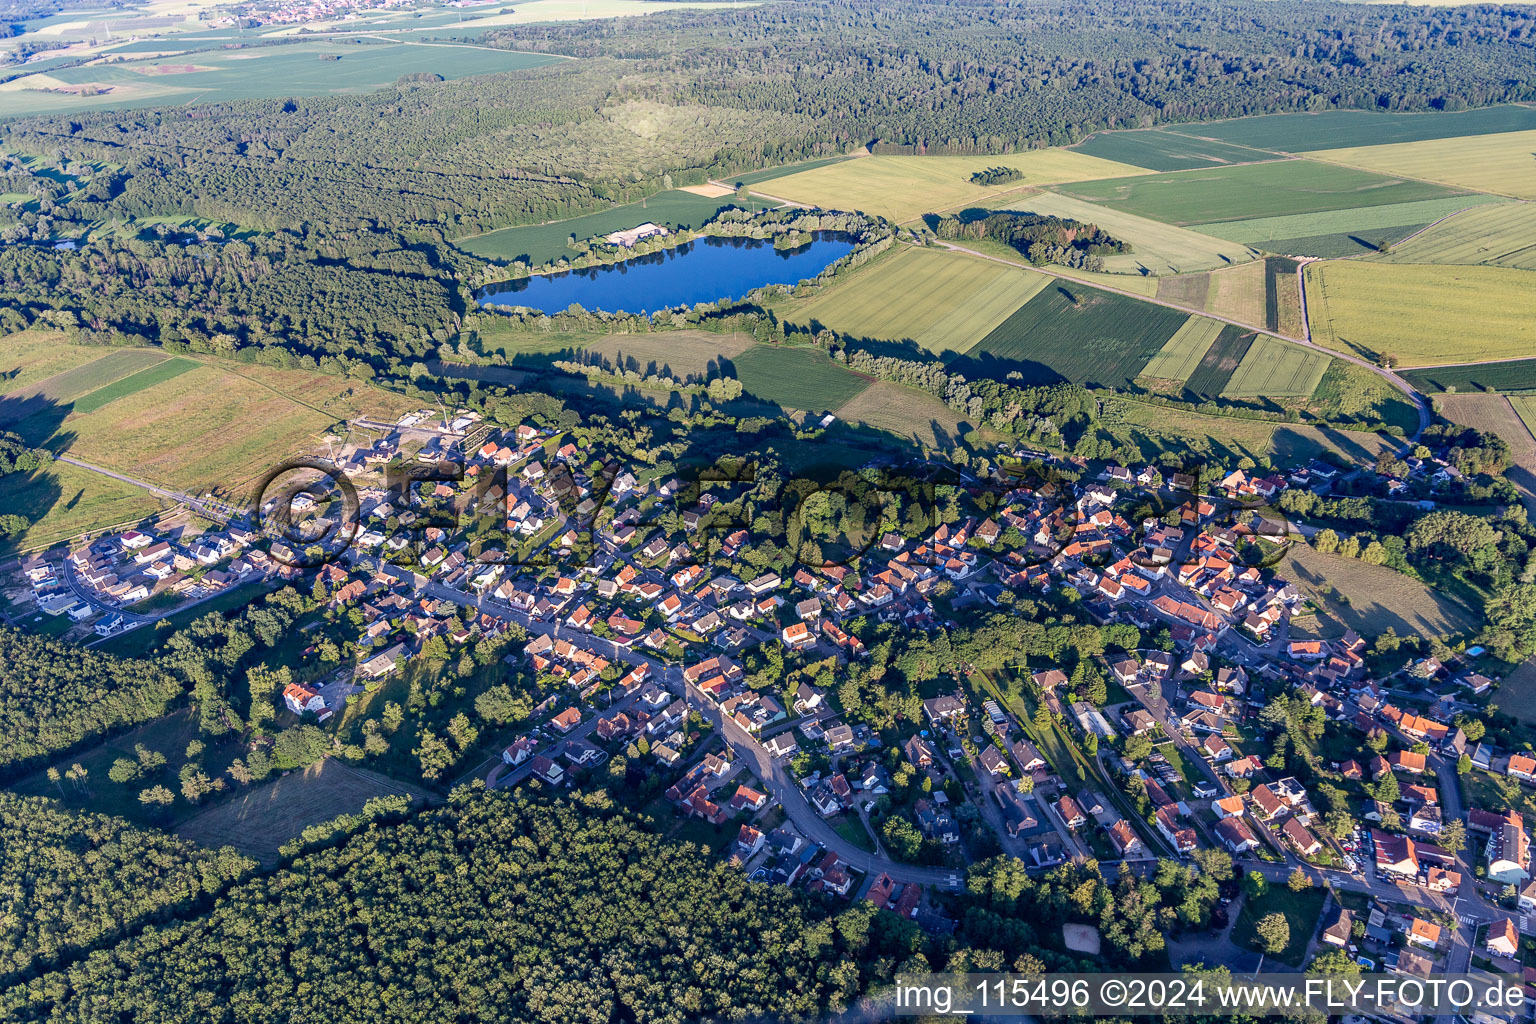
{"points": [[159, 492]]}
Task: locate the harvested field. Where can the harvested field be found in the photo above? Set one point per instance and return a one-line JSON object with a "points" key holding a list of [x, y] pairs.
{"points": [[944, 301], [258, 820], [1238, 294], [1500, 164], [1185, 290]]}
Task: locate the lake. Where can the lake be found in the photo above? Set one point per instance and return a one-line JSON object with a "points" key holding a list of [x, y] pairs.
{"points": [[705, 270]]}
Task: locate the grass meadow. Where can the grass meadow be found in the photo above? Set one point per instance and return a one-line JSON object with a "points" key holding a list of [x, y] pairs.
{"points": [[34, 355], [64, 501], [1502, 235], [1421, 314], [901, 188], [1486, 163], [797, 378], [1160, 430], [905, 412], [1246, 191], [1351, 594], [944, 301]]}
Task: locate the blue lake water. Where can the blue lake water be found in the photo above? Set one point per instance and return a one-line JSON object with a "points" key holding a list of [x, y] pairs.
{"points": [[705, 270]]}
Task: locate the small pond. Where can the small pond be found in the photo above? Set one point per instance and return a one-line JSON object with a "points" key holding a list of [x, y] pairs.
{"points": [[705, 270]]}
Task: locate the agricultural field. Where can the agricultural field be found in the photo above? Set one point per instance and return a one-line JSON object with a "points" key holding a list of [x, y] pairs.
{"points": [[771, 173], [901, 188], [1072, 332], [1301, 133], [35, 355], [1247, 191], [797, 378], [1168, 149], [1214, 371], [1156, 248], [214, 425], [1336, 233], [1282, 297], [545, 243], [258, 820], [1525, 408], [1238, 294], [1352, 394], [64, 501], [944, 301], [60, 389], [1511, 418], [214, 76], [905, 412], [1277, 369], [1512, 376], [1161, 430], [1351, 594], [1182, 353], [132, 384], [670, 353], [1146, 287], [1421, 314], [1500, 164], [1502, 234]]}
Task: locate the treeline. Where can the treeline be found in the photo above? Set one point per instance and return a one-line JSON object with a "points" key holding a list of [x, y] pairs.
{"points": [[16, 456], [54, 695], [70, 880], [1043, 239], [996, 176]]}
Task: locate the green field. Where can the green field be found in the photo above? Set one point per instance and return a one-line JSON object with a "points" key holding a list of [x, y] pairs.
{"points": [[31, 356], [133, 383], [1487, 163], [1511, 376], [944, 301], [1300, 133], [1503, 234], [1214, 372], [1246, 191], [796, 378], [901, 188], [1525, 408], [1349, 393], [59, 390], [1301, 909], [63, 501], [770, 173], [1163, 431], [1182, 354], [545, 243], [1167, 149], [1072, 332], [1335, 233], [1421, 314], [1156, 248], [1277, 369], [299, 69]]}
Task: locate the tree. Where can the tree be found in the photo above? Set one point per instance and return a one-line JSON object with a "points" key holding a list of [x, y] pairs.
{"points": [[1454, 836], [124, 771], [1255, 884], [1334, 961], [156, 795], [1298, 880], [1326, 541], [1274, 932], [1463, 764]]}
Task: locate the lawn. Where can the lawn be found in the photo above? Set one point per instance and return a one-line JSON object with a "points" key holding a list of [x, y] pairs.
{"points": [[300, 69], [853, 830], [944, 301], [1369, 599], [35, 355], [1500, 791], [1072, 332], [1182, 353], [900, 188], [545, 243], [1167, 149], [796, 378], [905, 412], [1302, 912], [1516, 694], [1513, 376], [1499, 234], [1486, 163], [1246, 191], [1298, 133], [63, 501], [1345, 232], [1214, 372], [1156, 247], [1277, 369], [1421, 314], [258, 820]]}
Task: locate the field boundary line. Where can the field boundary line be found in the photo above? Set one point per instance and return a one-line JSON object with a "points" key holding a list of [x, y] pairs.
{"points": [[1418, 400], [1405, 177], [1435, 224]]}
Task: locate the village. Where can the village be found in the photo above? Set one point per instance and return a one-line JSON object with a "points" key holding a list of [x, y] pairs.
{"points": [[649, 647]]}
